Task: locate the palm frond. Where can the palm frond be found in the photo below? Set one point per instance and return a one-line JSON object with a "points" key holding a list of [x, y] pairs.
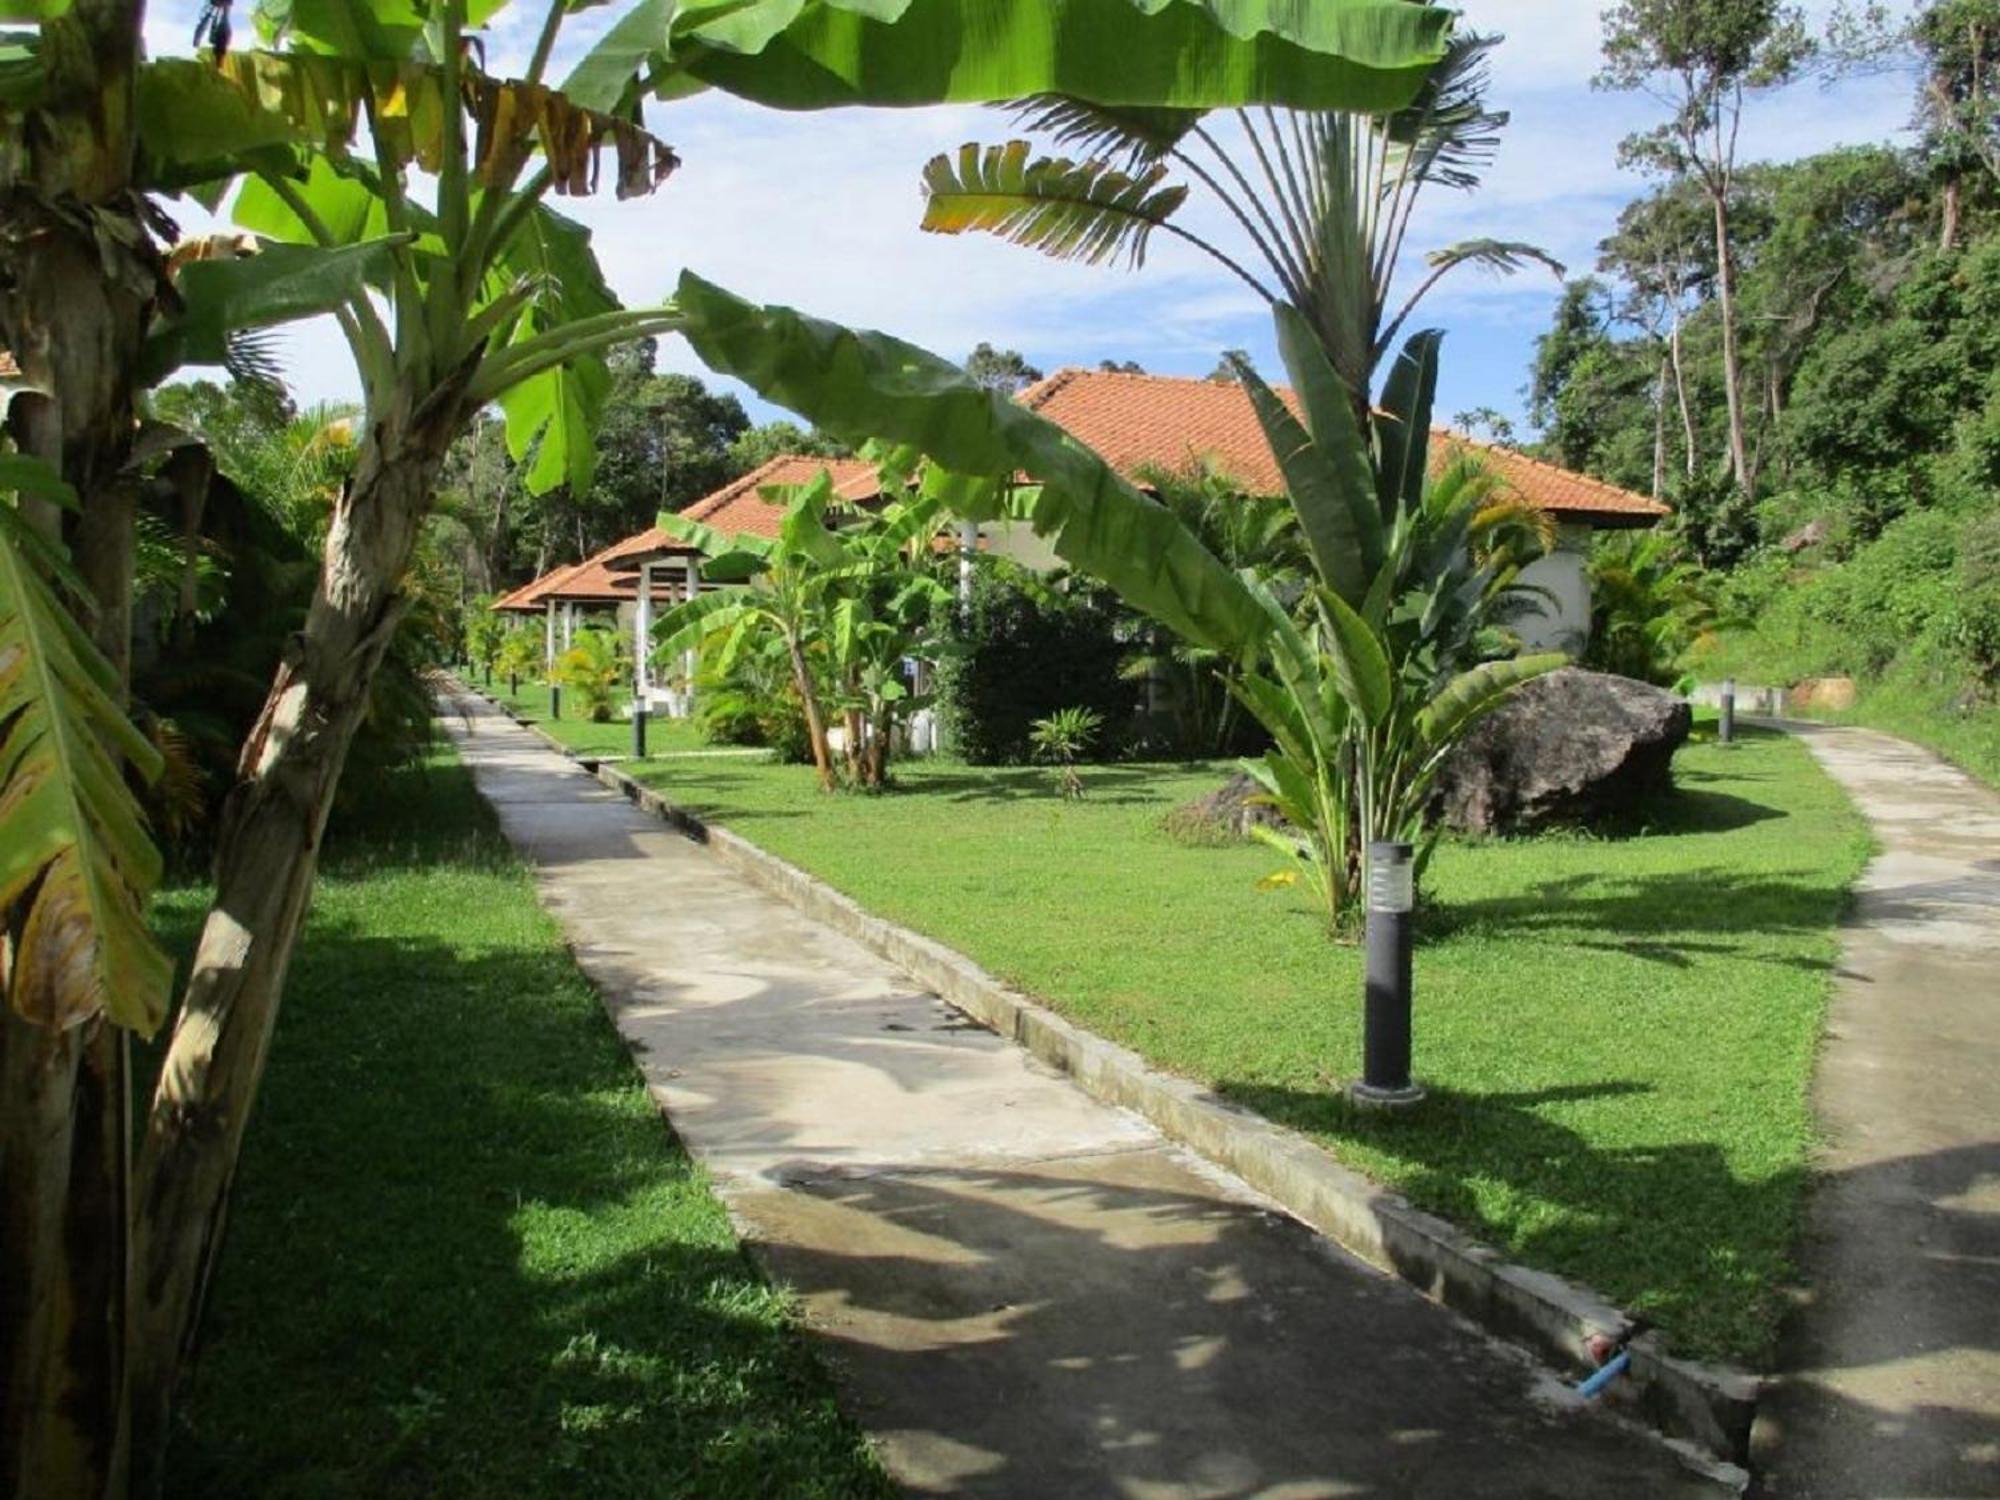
{"points": [[1087, 211], [1502, 256], [1448, 135], [1130, 137]]}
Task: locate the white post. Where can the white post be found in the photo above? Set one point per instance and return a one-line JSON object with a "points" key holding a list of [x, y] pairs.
{"points": [[569, 624], [692, 566], [968, 548], [642, 632], [549, 639]]}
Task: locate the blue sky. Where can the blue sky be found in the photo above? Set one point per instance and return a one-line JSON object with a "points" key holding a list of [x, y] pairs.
{"points": [[821, 212]]}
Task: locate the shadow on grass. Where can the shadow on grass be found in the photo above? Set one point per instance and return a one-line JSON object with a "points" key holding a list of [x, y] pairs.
{"points": [[465, 1256], [1676, 918], [1118, 785], [1627, 1221]]}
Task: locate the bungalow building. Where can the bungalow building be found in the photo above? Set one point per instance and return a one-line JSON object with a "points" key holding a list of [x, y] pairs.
{"points": [[1143, 424], [1149, 423]]}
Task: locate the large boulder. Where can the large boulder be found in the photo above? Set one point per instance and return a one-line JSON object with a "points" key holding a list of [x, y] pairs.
{"points": [[1571, 747]]}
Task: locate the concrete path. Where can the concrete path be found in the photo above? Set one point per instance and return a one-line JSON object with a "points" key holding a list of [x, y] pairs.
{"points": [[1892, 1384], [1023, 1293]]}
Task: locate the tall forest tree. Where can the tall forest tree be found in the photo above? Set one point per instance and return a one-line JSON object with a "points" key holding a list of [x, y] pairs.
{"points": [[1702, 59], [1953, 48]]}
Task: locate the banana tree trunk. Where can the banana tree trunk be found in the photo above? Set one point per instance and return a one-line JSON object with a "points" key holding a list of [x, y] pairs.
{"points": [[809, 704], [878, 748], [272, 824], [83, 278]]}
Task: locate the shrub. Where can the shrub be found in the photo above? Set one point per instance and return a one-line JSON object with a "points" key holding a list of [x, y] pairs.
{"points": [[1062, 739], [593, 668], [749, 700], [1023, 651]]}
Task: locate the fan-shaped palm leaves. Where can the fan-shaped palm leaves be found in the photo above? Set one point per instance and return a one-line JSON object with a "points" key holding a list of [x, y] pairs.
{"points": [[1089, 211], [1322, 199]]}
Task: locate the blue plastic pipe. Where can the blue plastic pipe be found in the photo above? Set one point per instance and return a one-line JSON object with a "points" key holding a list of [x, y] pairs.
{"points": [[1611, 1370]]}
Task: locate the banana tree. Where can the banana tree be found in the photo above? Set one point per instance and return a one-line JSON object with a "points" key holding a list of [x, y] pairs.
{"points": [[1418, 569], [474, 292], [848, 603]]}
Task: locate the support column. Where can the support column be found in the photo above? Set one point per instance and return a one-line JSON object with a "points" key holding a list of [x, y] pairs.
{"points": [[549, 664], [691, 587], [642, 639], [968, 549]]}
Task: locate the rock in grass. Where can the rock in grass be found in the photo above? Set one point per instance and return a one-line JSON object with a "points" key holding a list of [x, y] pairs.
{"points": [[1572, 747]]}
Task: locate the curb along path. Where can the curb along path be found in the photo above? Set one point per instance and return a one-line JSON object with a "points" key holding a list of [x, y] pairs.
{"points": [[1890, 1379], [1023, 1291]]}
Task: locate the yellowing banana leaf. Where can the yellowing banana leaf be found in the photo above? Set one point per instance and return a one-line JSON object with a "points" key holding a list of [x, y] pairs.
{"points": [[76, 848]]}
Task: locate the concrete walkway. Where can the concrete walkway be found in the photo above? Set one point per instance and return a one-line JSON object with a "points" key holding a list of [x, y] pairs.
{"points": [[1022, 1292], [1892, 1383]]}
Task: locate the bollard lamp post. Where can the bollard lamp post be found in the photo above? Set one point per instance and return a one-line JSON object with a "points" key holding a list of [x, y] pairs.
{"points": [[1385, 1036], [639, 727], [1725, 723], [555, 699]]}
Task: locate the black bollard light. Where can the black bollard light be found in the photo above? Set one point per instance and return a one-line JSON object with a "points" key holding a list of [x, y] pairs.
{"points": [[1725, 724], [638, 728], [555, 701], [1385, 1037], [513, 684]]}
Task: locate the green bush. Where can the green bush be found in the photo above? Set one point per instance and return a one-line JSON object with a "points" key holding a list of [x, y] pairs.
{"points": [[751, 701], [1024, 650]]}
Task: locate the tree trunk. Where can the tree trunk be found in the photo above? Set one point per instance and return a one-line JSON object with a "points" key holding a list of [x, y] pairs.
{"points": [[1660, 432], [809, 704], [83, 275], [1732, 374], [1948, 230], [271, 826], [854, 724], [1681, 391]]}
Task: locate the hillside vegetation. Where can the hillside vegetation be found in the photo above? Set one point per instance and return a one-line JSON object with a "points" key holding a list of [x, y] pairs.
{"points": [[1862, 536]]}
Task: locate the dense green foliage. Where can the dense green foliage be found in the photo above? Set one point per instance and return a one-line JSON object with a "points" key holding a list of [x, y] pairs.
{"points": [[1024, 650], [519, 1284], [234, 572], [1617, 1031], [1867, 283]]}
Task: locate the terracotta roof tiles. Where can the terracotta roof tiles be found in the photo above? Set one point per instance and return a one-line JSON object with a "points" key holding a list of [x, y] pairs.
{"points": [[1142, 422], [739, 507]]}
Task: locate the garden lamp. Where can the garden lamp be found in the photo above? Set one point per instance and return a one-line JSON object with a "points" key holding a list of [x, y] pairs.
{"points": [[1385, 1035]]}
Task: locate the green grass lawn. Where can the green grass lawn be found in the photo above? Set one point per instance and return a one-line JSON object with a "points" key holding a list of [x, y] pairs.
{"points": [[1617, 1032], [466, 1257], [663, 735]]}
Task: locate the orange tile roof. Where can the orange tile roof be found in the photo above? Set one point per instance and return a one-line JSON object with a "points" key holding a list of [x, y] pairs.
{"points": [[587, 582], [1143, 422], [739, 507]]}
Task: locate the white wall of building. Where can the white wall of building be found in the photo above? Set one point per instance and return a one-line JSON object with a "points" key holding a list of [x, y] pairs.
{"points": [[1558, 620]]}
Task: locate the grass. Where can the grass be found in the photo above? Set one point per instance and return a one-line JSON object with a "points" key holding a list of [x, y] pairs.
{"points": [[1617, 1032], [466, 1257], [663, 735], [1928, 699]]}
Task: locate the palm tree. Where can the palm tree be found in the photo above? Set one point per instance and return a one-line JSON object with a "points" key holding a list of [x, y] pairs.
{"points": [[1322, 199]]}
